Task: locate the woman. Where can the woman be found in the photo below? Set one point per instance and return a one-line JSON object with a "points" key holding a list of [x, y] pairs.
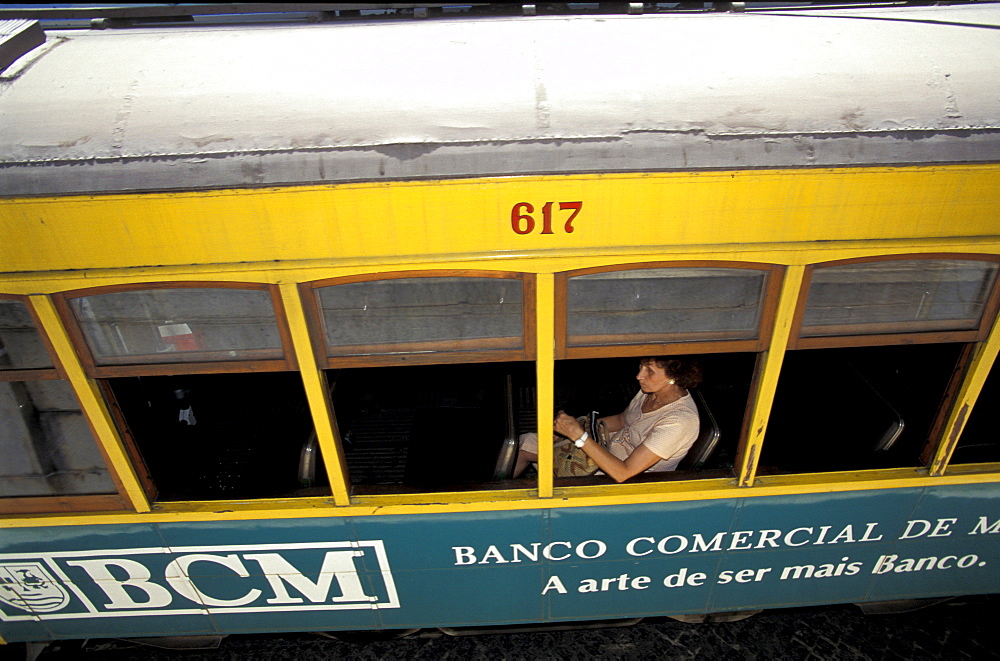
{"points": [[653, 433]]}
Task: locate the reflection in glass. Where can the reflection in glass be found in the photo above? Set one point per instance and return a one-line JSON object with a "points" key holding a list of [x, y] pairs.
{"points": [[46, 444], [903, 296], [170, 325], [422, 314], [664, 305], [21, 346]]}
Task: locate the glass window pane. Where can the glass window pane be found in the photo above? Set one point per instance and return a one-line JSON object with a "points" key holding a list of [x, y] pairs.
{"points": [[897, 297], [21, 346], [422, 314], [664, 305], [175, 325], [46, 444]]}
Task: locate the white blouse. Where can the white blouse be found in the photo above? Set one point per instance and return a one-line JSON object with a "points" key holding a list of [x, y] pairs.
{"points": [[668, 431]]}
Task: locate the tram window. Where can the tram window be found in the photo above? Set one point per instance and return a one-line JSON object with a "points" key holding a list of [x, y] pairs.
{"points": [[655, 305], [722, 311], [980, 441], [45, 441], [897, 296], [227, 417], [836, 409], [422, 314], [421, 362], [427, 428], [178, 325], [219, 436]]}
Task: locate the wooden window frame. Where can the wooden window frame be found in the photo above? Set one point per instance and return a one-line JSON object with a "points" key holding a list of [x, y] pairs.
{"points": [[479, 352], [795, 341], [177, 364], [672, 344], [70, 502]]}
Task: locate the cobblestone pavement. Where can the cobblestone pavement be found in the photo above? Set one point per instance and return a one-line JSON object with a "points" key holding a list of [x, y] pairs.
{"points": [[964, 628]]}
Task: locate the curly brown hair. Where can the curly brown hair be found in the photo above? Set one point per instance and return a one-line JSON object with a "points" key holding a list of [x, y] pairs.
{"points": [[686, 372]]}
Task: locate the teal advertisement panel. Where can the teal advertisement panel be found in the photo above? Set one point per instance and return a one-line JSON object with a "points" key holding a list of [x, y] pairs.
{"points": [[560, 564]]}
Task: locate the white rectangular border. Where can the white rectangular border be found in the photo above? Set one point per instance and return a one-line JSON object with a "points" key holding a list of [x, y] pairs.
{"points": [[94, 612]]}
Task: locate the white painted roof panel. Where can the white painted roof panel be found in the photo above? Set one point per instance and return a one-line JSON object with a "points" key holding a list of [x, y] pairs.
{"points": [[220, 107]]}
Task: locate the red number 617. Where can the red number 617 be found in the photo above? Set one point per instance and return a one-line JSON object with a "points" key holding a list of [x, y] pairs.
{"points": [[522, 222]]}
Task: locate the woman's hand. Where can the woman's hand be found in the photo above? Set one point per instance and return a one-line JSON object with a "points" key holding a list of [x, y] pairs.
{"points": [[567, 426], [638, 461]]}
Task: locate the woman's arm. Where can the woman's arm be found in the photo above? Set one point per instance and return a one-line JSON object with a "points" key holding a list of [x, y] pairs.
{"points": [[640, 459], [614, 422]]}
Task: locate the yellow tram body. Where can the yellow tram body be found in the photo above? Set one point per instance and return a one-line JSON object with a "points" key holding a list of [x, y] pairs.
{"points": [[744, 216]]}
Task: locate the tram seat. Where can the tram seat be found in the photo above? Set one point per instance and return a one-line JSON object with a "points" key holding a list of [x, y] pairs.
{"points": [[708, 435], [307, 461], [507, 459]]}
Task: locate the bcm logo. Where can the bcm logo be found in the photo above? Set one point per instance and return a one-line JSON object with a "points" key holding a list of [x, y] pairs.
{"points": [[196, 580]]}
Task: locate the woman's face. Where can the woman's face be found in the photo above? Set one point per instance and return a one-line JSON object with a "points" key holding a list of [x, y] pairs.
{"points": [[651, 377]]}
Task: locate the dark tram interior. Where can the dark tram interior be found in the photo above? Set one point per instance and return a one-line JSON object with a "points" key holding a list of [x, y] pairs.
{"points": [[447, 433], [980, 440], [412, 429], [428, 427], [856, 408], [218, 436]]}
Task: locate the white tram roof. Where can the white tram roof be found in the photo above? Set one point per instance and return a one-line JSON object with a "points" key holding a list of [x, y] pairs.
{"points": [[234, 106]]}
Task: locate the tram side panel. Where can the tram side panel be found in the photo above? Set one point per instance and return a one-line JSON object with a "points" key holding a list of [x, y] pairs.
{"points": [[492, 568]]}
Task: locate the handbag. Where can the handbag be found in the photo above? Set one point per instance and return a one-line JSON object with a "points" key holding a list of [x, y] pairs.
{"points": [[571, 461]]}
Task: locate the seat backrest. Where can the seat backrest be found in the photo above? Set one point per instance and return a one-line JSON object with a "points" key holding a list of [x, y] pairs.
{"points": [[708, 435], [507, 458], [894, 421]]}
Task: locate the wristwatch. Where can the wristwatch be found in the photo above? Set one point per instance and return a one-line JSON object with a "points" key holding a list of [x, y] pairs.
{"points": [[580, 441]]}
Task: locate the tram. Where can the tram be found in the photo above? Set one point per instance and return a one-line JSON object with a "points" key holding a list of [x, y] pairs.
{"points": [[276, 302]]}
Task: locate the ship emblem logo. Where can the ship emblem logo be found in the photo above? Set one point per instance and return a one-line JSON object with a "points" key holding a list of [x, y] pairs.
{"points": [[28, 586]]}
